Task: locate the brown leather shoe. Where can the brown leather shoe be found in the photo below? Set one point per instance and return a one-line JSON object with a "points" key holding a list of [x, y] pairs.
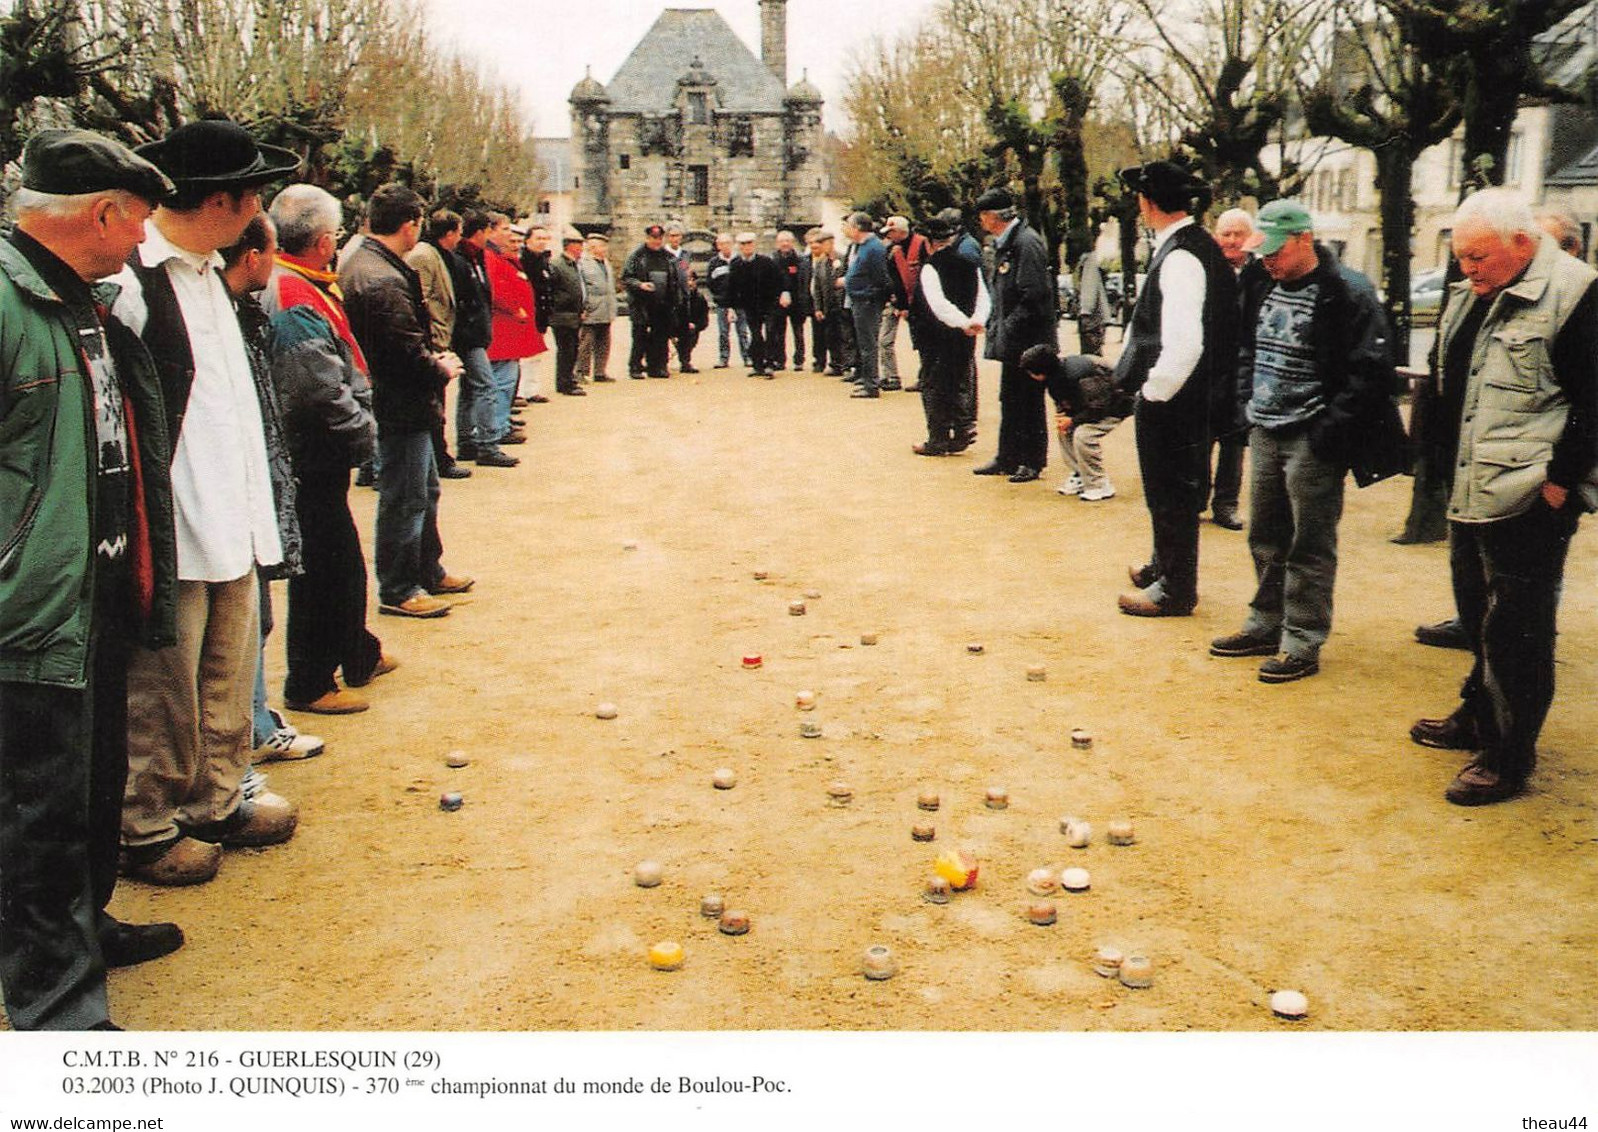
{"points": [[1139, 604], [453, 584], [1456, 732], [267, 819], [183, 862], [385, 664], [1478, 786], [339, 701], [417, 605]]}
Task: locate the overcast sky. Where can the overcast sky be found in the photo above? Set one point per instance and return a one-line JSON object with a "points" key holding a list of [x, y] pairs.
{"points": [[542, 46]]}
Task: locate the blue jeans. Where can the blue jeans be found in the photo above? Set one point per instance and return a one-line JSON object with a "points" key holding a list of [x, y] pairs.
{"points": [[474, 405], [867, 315], [726, 317], [408, 546], [507, 376], [264, 725], [1295, 504]]}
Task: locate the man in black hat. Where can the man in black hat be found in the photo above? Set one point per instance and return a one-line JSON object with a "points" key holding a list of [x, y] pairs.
{"points": [[1180, 341], [1025, 314], [959, 305], [90, 571], [189, 706]]}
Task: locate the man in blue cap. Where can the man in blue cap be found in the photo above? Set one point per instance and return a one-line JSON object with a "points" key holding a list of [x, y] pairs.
{"points": [[1312, 370], [88, 567]]}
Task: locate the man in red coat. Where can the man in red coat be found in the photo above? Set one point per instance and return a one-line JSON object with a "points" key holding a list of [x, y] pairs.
{"points": [[515, 334]]}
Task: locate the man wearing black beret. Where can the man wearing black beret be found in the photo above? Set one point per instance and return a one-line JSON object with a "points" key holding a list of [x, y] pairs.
{"points": [[1025, 313], [1181, 341], [88, 568], [190, 707]]}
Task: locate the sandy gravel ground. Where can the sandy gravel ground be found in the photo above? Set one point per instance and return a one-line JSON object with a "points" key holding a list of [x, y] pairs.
{"points": [[1286, 836]]}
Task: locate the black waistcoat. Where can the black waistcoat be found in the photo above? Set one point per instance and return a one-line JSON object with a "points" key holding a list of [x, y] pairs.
{"points": [[1219, 319]]}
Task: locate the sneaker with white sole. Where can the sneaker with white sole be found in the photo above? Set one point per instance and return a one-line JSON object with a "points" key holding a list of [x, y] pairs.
{"points": [[287, 744], [252, 785], [1072, 485], [1094, 494]]}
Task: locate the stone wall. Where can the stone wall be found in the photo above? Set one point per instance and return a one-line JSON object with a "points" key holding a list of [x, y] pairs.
{"points": [[758, 192]]}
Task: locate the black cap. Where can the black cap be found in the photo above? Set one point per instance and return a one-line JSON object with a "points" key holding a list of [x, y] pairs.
{"points": [[953, 218], [995, 200], [935, 229], [1167, 184], [216, 153], [70, 162], [654, 230]]}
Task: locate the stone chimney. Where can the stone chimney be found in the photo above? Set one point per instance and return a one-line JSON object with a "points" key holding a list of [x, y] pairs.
{"points": [[774, 38]]}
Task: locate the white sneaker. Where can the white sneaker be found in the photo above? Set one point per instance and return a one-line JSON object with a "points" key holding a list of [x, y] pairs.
{"points": [[252, 785], [286, 743], [1072, 486], [1094, 494]]}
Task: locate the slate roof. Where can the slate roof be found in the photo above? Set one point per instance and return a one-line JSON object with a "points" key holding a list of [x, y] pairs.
{"points": [[647, 81]]}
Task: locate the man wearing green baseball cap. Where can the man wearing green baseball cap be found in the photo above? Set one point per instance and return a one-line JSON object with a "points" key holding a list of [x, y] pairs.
{"points": [[1312, 369]]}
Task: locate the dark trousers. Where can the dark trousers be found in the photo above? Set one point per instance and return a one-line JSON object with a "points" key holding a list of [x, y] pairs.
{"points": [[782, 321], [1228, 479], [409, 551], [651, 351], [63, 770], [760, 360], [827, 344], [565, 358], [1023, 420], [327, 603], [966, 403], [944, 369], [1090, 333], [1507, 577], [1172, 452]]}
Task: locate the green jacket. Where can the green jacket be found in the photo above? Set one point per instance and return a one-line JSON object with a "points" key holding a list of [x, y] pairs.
{"points": [[47, 470]]}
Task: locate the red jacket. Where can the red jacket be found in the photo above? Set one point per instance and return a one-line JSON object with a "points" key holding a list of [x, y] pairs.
{"points": [[515, 333]]}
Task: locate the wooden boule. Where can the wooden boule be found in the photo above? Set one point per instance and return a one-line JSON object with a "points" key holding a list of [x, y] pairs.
{"points": [[878, 963], [734, 921]]}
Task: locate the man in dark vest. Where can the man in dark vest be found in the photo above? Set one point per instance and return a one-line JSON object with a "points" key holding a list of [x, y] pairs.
{"points": [[1025, 313], [1181, 341], [959, 305], [190, 706]]}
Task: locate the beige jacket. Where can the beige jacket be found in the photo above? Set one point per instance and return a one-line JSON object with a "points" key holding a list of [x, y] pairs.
{"points": [[1514, 412], [438, 290]]}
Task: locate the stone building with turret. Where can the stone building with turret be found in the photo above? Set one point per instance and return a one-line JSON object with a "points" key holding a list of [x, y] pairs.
{"points": [[694, 128]]}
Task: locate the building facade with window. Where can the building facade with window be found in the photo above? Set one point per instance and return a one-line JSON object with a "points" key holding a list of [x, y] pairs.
{"points": [[694, 128]]}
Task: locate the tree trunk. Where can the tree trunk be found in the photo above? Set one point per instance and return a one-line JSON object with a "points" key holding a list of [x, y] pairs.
{"points": [[1395, 171], [1071, 156]]}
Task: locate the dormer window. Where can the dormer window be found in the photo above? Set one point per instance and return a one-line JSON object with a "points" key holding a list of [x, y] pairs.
{"points": [[698, 108]]}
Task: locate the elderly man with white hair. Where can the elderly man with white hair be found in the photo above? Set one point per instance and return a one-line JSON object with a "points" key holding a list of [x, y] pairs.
{"points": [[1234, 231], [907, 253], [1517, 362]]}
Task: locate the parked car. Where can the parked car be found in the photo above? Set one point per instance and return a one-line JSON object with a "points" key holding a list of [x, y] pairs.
{"points": [[1067, 292], [1426, 297]]}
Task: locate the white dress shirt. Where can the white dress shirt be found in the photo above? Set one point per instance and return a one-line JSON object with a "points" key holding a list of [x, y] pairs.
{"points": [[945, 311], [221, 488], [1181, 318]]}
